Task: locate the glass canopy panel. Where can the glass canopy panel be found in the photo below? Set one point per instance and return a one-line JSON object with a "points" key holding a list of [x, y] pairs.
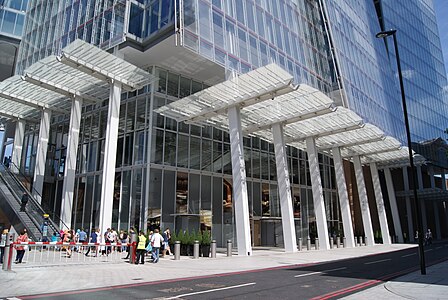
{"points": [[362, 135], [50, 71], [26, 92], [94, 59], [399, 155], [11, 109], [305, 102], [255, 86], [339, 120], [387, 144]]}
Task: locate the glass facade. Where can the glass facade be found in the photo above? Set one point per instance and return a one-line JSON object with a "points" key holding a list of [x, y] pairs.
{"points": [[55, 24], [422, 65], [367, 77], [244, 34], [179, 175], [12, 17]]}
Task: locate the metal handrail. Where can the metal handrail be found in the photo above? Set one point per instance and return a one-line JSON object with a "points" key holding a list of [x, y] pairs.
{"points": [[41, 207]]}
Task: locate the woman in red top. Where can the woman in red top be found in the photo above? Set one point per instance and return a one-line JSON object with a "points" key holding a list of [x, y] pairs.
{"points": [[22, 238]]}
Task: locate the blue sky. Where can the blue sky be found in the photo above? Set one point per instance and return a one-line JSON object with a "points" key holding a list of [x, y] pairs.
{"points": [[441, 8]]}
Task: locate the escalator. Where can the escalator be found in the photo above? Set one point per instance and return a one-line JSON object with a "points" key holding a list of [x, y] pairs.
{"points": [[11, 191]]}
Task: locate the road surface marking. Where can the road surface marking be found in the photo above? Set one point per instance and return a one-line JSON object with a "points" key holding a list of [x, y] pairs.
{"points": [[409, 254], [377, 261], [314, 273], [439, 247], [211, 291], [428, 250]]}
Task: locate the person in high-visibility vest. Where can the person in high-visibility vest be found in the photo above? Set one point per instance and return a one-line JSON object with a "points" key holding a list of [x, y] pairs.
{"points": [[141, 248]]}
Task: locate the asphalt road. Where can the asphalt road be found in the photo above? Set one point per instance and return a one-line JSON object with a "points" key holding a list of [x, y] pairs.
{"points": [[318, 281]]}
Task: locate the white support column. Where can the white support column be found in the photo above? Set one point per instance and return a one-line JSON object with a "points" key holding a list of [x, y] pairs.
{"points": [[318, 197], [437, 230], [41, 156], [443, 180], [408, 205], [239, 183], [70, 163], [363, 201], [393, 205], [422, 202], [284, 188], [110, 156], [18, 144], [343, 198], [380, 204]]}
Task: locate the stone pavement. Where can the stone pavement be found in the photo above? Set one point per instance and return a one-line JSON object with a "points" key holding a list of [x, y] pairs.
{"points": [[32, 279], [433, 285]]}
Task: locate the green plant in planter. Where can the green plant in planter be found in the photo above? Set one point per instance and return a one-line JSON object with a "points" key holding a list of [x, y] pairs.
{"points": [[205, 243], [206, 237], [198, 237]]}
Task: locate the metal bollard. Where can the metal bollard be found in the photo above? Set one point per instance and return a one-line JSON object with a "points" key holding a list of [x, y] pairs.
{"points": [[229, 247], [316, 243], [213, 248], [338, 241], [300, 244], [308, 244], [176, 250], [7, 254], [344, 241], [330, 239], [196, 249]]}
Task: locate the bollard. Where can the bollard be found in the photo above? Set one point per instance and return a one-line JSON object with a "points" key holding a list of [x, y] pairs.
{"points": [[196, 249], [176, 250], [365, 241], [308, 244], [330, 239], [229, 247], [316, 243], [213, 248], [300, 244], [338, 241], [344, 241], [7, 254]]}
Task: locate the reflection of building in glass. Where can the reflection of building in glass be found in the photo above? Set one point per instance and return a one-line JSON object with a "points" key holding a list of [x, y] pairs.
{"points": [[179, 175], [12, 19]]}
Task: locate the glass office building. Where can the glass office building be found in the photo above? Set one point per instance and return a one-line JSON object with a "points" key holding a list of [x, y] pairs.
{"points": [[12, 19], [179, 175], [422, 65]]}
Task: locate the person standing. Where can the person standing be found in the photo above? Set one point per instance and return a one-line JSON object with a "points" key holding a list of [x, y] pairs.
{"points": [[93, 239], [166, 241], [24, 201], [22, 238], [132, 239], [141, 248], [156, 242], [3, 239]]}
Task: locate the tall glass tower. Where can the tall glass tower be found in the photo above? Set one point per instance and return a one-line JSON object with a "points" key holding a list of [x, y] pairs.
{"points": [[178, 175]]}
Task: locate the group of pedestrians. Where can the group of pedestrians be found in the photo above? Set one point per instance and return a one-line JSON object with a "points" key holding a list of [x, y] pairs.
{"points": [[153, 244]]}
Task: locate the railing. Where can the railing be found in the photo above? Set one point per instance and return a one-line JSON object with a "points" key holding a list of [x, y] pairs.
{"points": [[42, 207], [59, 253]]}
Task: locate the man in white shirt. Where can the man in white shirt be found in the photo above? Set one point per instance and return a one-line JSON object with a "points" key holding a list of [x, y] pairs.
{"points": [[156, 241]]}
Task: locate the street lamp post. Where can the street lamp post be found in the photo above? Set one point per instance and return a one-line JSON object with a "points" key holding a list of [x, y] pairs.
{"points": [[384, 34]]}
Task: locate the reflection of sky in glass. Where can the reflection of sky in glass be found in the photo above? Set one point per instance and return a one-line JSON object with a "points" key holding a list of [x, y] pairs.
{"points": [[441, 8], [422, 64]]}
